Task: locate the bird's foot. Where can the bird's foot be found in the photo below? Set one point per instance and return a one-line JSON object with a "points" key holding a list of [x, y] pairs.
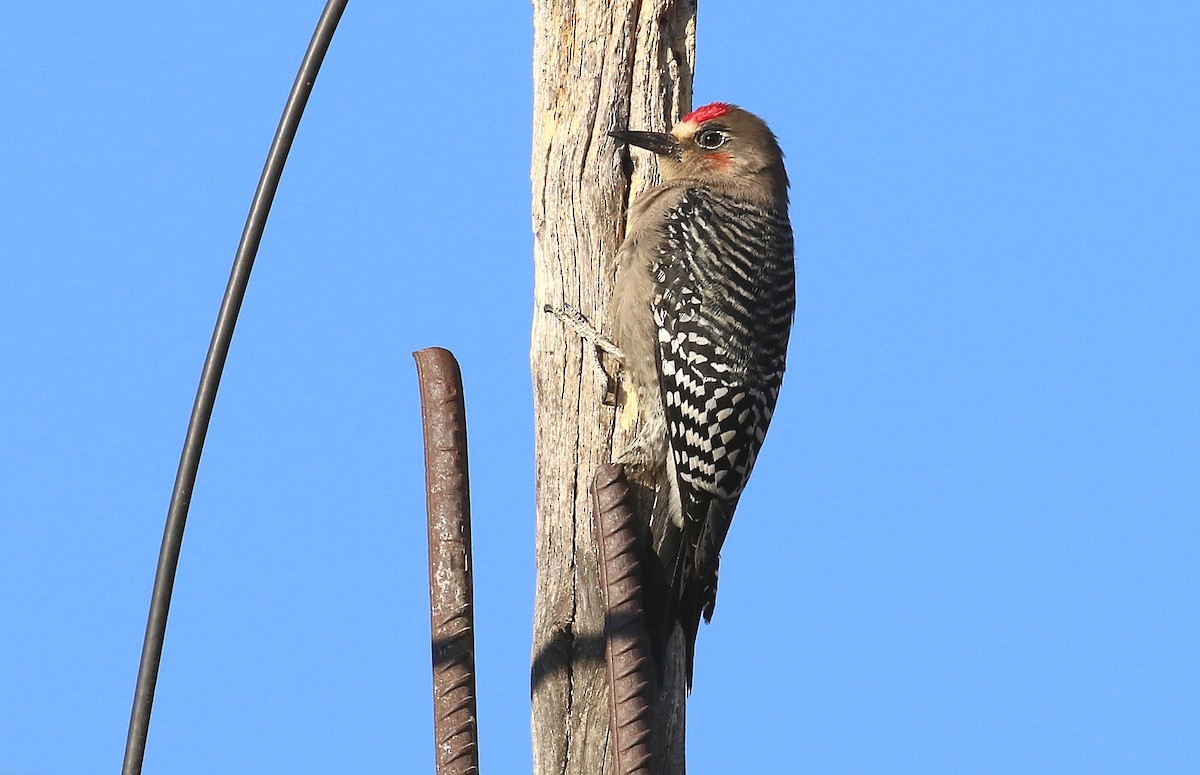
{"points": [[574, 320]]}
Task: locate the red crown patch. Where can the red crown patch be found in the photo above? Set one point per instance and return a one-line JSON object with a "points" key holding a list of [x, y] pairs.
{"points": [[710, 111]]}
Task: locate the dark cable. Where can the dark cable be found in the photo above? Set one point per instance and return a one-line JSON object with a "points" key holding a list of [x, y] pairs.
{"points": [[210, 379]]}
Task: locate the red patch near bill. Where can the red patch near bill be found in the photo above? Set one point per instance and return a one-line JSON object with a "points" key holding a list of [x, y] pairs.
{"points": [[717, 161]]}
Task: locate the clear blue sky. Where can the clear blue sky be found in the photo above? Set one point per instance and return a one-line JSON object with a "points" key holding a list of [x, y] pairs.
{"points": [[972, 543]]}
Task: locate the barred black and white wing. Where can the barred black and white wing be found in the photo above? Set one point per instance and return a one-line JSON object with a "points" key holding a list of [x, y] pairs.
{"points": [[724, 298]]}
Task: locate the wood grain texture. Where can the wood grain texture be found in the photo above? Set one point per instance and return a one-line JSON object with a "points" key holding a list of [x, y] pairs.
{"points": [[598, 66]]}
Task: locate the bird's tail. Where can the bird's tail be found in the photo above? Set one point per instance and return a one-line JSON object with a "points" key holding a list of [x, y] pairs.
{"points": [[661, 566], [682, 583]]}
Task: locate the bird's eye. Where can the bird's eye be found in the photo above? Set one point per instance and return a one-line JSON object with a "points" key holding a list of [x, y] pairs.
{"points": [[710, 139]]}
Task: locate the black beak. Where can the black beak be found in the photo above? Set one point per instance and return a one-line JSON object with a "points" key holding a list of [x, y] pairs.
{"points": [[659, 142]]}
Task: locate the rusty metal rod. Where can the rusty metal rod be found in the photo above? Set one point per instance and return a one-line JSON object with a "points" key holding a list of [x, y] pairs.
{"points": [[448, 503], [626, 645]]}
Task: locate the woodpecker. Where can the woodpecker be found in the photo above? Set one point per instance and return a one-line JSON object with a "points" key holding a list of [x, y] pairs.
{"points": [[703, 304]]}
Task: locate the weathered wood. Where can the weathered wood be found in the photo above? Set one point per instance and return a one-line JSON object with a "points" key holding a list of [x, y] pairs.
{"points": [[598, 66]]}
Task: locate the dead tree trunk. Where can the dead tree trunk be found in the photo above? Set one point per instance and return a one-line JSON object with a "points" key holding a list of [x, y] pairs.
{"points": [[598, 66]]}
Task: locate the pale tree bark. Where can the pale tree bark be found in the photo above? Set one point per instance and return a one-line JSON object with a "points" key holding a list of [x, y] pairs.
{"points": [[598, 66]]}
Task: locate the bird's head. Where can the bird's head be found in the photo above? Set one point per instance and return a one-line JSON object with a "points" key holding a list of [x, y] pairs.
{"points": [[720, 145]]}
